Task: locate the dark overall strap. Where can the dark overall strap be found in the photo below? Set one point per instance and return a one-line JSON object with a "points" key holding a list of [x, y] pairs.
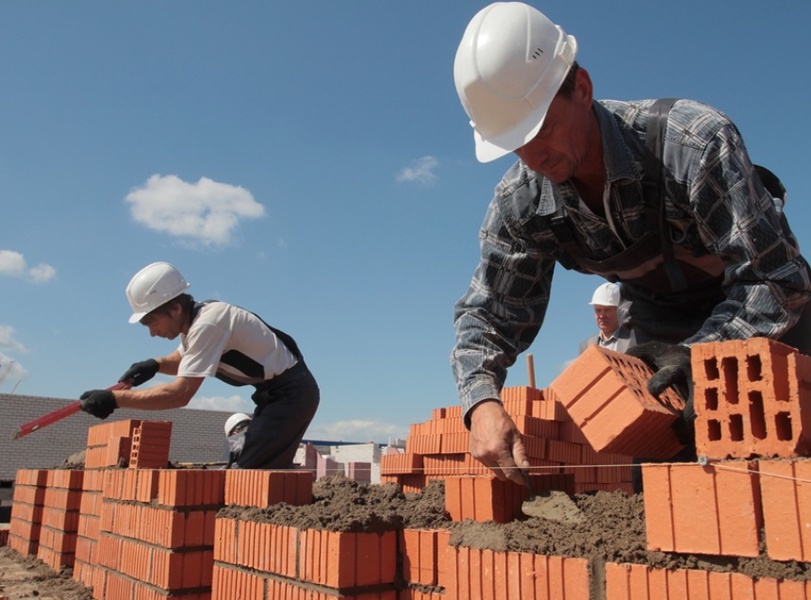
{"points": [[286, 339], [653, 192], [654, 187]]}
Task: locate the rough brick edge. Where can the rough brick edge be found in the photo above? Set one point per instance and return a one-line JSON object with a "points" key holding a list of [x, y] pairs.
{"points": [[786, 492]]}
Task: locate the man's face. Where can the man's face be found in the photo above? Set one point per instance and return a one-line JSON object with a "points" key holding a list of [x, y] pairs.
{"points": [[607, 319], [561, 146], [162, 324]]}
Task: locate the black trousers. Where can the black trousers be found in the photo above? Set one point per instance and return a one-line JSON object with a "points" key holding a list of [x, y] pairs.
{"points": [[285, 406]]}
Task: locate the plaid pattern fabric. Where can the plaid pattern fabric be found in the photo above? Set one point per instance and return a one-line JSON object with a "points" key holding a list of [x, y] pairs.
{"points": [[716, 206]]}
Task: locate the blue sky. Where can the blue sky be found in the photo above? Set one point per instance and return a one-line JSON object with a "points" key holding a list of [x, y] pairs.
{"points": [[311, 162]]}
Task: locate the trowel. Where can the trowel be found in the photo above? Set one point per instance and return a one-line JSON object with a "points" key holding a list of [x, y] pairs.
{"points": [[554, 505]]}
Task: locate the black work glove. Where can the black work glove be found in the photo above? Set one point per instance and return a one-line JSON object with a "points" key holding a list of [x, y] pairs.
{"points": [[99, 403], [140, 372], [672, 367]]}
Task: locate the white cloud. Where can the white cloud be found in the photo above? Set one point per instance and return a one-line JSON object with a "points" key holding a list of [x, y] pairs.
{"points": [[356, 430], [10, 369], [349, 430], [230, 404], [206, 212], [7, 341], [423, 171], [14, 264]]}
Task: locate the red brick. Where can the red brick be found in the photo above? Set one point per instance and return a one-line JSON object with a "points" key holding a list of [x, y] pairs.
{"points": [[259, 488], [117, 452], [225, 540], [190, 487], [711, 509], [605, 394], [786, 491], [483, 498], [752, 397]]}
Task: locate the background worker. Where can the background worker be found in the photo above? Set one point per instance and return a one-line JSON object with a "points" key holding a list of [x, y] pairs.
{"points": [[235, 427], [224, 341], [716, 261], [612, 334]]}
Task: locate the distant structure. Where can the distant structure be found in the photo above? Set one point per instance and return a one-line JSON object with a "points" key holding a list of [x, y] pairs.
{"points": [[360, 462]]}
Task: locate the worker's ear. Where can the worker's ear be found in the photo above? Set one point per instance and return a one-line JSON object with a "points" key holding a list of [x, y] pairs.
{"points": [[176, 311], [583, 89]]}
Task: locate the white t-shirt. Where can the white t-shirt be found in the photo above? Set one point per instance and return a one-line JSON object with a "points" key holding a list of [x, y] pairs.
{"points": [[231, 343]]}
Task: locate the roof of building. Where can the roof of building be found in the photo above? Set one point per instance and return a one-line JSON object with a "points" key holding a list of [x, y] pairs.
{"points": [[197, 435]]}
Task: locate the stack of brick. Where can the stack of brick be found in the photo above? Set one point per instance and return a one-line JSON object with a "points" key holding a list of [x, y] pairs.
{"points": [[260, 560], [161, 536], [157, 533], [752, 486], [114, 444], [26, 510], [60, 518], [560, 456]]}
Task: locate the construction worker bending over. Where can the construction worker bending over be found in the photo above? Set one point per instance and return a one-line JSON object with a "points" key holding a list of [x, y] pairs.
{"points": [[613, 333], [224, 341], [712, 259]]}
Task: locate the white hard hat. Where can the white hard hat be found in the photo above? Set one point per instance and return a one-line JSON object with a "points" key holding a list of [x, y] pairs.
{"points": [[153, 286], [608, 294], [508, 67], [235, 420]]}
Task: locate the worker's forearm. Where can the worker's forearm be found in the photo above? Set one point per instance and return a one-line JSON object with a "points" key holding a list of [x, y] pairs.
{"points": [[169, 364], [175, 394]]}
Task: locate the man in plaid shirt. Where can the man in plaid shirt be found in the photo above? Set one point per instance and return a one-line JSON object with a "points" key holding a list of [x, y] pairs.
{"points": [[711, 258]]}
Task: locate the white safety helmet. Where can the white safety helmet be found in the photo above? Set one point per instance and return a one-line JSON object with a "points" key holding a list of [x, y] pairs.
{"points": [[607, 294], [153, 286], [235, 420], [508, 67]]}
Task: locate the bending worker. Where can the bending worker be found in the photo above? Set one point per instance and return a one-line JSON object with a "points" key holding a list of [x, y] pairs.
{"points": [[224, 341], [612, 334], [713, 260]]}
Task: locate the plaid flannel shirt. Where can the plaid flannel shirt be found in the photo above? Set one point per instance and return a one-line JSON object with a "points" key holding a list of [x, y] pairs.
{"points": [[726, 212]]}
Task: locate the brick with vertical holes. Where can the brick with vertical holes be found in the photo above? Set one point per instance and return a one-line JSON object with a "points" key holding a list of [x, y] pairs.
{"points": [[752, 397], [606, 396]]}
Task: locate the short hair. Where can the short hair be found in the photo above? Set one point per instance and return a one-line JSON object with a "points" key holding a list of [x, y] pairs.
{"points": [[184, 300], [567, 87]]}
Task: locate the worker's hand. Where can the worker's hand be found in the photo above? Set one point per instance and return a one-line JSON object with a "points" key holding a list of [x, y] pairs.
{"points": [[496, 442], [99, 403], [140, 372], [671, 366]]}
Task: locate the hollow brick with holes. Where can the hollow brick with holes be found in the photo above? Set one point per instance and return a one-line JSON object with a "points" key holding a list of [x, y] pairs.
{"points": [[752, 397], [605, 394]]}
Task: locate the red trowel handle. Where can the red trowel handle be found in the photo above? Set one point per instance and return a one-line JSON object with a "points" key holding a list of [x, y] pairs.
{"points": [[60, 413]]}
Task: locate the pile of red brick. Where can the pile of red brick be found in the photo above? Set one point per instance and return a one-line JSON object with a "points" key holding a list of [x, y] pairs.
{"points": [[142, 532]]}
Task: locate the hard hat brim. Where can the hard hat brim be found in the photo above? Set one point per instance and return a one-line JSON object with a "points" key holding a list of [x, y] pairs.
{"points": [[137, 317], [493, 149]]}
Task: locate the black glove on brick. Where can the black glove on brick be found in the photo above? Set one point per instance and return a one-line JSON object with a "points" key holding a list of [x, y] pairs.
{"points": [[140, 372], [99, 403], [671, 367]]}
